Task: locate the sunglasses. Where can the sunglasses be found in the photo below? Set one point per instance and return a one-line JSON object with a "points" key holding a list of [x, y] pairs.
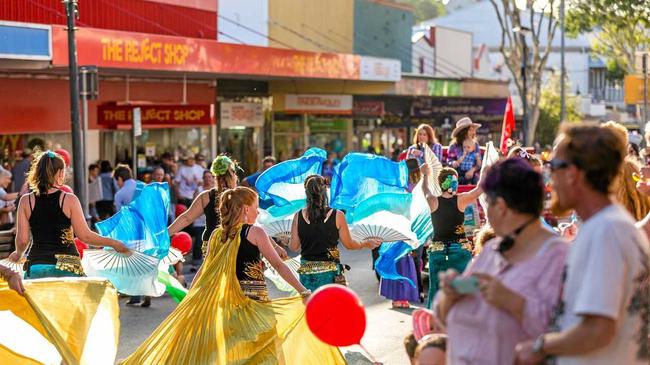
{"points": [[557, 164]]}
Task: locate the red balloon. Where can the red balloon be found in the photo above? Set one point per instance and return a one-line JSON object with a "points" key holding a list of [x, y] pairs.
{"points": [[336, 315], [180, 209], [81, 246], [182, 241], [65, 154]]}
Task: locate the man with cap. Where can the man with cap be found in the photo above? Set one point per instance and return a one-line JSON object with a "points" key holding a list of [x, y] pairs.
{"points": [[188, 180]]}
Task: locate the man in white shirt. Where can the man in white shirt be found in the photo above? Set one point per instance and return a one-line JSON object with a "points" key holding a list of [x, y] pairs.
{"points": [[188, 179], [600, 318]]}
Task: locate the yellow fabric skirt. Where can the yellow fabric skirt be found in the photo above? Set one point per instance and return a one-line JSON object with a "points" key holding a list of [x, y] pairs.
{"points": [[59, 320], [217, 324]]}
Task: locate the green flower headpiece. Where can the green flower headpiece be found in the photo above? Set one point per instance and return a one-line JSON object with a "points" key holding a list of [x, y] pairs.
{"points": [[221, 164]]}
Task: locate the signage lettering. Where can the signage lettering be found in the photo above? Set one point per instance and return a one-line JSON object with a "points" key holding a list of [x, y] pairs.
{"points": [[112, 115], [144, 52], [335, 104]]}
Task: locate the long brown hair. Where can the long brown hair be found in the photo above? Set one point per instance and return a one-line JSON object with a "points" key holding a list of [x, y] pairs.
{"points": [[316, 191], [231, 208], [431, 134], [624, 187], [42, 174]]}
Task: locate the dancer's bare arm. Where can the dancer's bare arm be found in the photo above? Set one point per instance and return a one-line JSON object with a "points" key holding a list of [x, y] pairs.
{"points": [[258, 237], [190, 215]]}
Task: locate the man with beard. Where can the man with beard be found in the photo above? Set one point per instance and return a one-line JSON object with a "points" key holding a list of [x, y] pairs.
{"points": [[602, 316]]}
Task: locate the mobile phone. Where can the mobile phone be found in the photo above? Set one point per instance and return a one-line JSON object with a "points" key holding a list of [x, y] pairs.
{"points": [[465, 285]]}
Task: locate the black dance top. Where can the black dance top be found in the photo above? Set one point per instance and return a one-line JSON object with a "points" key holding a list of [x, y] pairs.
{"points": [[250, 266], [319, 240], [212, 217], [448, 221], [51, 229]]}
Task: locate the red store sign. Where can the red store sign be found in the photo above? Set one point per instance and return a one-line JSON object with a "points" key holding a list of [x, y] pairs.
{"points": [[113, 115], [318, 104], [368, 108]]}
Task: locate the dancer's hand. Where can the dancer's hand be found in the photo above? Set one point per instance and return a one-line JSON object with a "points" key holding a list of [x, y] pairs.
{"points": [[305, 295], [371, 243], [15, 257], [281, 252], [16, 283], [425, 169], [121, 248]]}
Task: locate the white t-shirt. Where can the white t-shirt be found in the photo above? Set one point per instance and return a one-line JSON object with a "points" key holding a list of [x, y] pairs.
{"points": [[188, 180], [605, 268]]}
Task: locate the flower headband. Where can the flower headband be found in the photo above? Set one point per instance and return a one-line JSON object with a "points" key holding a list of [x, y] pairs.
{"points": [[221, 164], [450, 184]]}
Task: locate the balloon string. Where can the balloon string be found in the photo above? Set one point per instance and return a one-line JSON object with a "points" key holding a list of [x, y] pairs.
{"points": [[372, 358]]}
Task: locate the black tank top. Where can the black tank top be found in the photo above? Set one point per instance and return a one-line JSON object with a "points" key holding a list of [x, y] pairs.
{"points": [[250, 266], [319, 240], [212, 217], [448, 221], [51, 229]]}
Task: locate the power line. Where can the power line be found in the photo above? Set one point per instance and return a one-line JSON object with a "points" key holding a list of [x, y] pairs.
{"points": [[255, 32], [320, 46]]}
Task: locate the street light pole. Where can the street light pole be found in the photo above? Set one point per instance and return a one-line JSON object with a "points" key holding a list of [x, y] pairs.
{"points": [[524, 97], [562, 68], [77, 141]]}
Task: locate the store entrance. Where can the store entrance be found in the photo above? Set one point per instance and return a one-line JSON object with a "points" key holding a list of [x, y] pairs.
{"points": [[242, 144]]}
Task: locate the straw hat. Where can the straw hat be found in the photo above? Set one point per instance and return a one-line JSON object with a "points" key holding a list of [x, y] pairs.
{"points": [[463, 123]]}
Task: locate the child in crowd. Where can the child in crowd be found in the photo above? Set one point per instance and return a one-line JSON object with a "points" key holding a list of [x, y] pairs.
{"points": [[431, 350], [470, 163]]}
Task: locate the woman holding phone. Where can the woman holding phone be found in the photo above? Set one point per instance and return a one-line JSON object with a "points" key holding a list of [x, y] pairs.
{"points": [[508, 292]]}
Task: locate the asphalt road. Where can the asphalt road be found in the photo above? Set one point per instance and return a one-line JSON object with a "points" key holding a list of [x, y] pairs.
{"points": [[385, 331]]}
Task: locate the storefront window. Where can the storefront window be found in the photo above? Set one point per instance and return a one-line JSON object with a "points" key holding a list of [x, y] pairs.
{"points": [[242, 144], [288, 138], [329, 134], [154, 142]]}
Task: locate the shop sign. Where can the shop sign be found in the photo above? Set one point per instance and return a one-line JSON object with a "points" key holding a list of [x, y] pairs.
{"points": [[130, 50], [327, 125], [380, 69], [112, 115], [368, 108], [425, 87], [22, 41], [318, 104], [634, 89], [425, 107], [241, 115]]}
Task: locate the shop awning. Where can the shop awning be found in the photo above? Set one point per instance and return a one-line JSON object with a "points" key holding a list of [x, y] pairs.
{"points": [[140, 51]]}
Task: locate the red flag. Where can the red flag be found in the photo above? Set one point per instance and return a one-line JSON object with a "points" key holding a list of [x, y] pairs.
{"points": [[508, 126]]}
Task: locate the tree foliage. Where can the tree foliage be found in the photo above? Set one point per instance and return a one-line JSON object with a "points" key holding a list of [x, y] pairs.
{"points": [[542, 27], [425, 9], [549, 107], [623, 25]]}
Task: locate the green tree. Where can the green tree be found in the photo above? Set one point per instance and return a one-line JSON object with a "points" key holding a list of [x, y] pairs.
{"points": [[549, 111], [623, 26], [425, 9]]}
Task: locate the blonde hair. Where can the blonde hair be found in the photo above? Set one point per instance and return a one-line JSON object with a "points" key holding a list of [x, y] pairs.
{"points": [[624, 188], [431, 134], [42, 174], [481, 237], [231, 208], [617, 128]]}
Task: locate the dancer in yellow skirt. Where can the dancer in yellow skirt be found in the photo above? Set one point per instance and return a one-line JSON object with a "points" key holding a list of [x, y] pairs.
{"points": [[227, 317]]}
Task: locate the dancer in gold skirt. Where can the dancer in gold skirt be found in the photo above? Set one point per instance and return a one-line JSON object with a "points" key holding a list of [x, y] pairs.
{"points": [[227, 318]]}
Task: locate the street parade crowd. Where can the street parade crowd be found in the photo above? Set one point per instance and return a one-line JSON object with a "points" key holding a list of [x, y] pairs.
{"points": [[518, 256]]}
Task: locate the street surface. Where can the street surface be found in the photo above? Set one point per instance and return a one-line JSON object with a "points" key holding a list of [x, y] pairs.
{"points": [[385, 329]]}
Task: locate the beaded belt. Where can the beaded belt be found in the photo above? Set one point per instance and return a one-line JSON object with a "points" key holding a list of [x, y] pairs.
{"points": [[255, 290], [69, 263], [317, 267], [440, 245]]}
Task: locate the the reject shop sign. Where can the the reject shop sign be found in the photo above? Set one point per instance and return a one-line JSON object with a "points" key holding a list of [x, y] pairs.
{"points": [[172, 115], [318, 104], [241, 115]]}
